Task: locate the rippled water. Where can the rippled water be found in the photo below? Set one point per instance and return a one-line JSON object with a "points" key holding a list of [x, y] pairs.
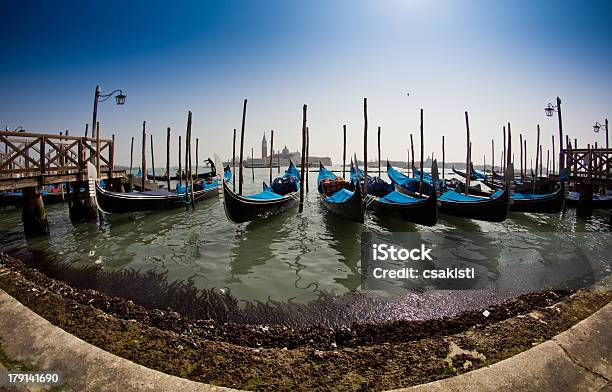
{"points": [[289, 257]]}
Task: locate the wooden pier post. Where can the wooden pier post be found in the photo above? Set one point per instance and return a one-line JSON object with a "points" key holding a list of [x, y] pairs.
{"points": [[86, 129], [443, 157], [180, 165], [547, 162], [422, 152], [168, 158], [240, 178], [130, 174], [468, 173], [98, 150], [304, 110], [344, 151], [152, 158], [111, 158], [412, 156], [271, 152], [378, 152], [144, 156], [365, 150], [33, 214], [234, 162], [559, 117], [553, 156]]}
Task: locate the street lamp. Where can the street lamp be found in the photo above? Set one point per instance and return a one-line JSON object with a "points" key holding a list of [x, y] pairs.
{"points": [[596, 128], [550, 109], [119, 99]]}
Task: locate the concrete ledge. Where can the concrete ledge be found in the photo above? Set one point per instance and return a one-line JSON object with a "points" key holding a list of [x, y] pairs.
{"points": [[31, 339], [578, 359]]}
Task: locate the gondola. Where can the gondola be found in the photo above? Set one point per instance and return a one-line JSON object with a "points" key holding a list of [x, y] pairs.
{"points": [[550, 203], [341, 201], [201, 176], [13, 199], [239, 208], [474, 175], [117, 202], [598, 201], [493, 209], [420, 210]]}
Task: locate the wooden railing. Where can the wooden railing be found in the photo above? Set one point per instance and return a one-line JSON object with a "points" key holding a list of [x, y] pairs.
{"points": [[589, 163], [33, 155]]}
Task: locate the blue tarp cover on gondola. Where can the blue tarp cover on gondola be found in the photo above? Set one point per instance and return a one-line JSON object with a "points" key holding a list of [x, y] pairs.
{"points": [[399, 198], [412, 184], [267, 194], [289, 182], [340, 196], [460, 197], [325, 174], [529, 196], [376, 186]]}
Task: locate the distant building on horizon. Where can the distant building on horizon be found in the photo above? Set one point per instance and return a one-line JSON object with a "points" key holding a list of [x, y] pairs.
{"points": [[281, 157]]}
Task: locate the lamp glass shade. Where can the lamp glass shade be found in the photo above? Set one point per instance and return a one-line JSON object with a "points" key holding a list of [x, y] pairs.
{"points": [[120, 98], [596, 127], [549, 110]]}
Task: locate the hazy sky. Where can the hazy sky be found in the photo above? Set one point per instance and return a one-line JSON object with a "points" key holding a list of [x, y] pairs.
{"points": [[500, 60]]}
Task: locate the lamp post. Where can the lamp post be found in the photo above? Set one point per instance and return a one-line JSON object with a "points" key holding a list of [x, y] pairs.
{"points": [[596, 128], [550, 110], [119, 98]]}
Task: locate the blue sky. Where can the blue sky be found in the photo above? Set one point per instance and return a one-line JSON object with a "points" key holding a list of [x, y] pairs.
{"points": [[501, 61]]}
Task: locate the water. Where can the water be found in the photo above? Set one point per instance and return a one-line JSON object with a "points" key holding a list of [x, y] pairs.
{"points": [[288, 258]]}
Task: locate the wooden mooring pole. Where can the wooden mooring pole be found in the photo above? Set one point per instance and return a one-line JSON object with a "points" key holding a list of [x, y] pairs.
{"points": [[422, 152], [152, 157], [304, 111], [189, 153], [240, 178], [344, 151], [468, 173], [443, 157], [307, 155], [168, 158], [252, 164], [365, 150], [378, 152], [271, 153], [144, 155], [521, 155], [234, 162], [180, 164], [552, 171], [537, 150], [412, 156], [197, 159]]}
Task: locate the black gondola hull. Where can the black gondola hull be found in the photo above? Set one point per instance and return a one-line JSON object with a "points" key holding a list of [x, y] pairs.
{"points": [[548, 205], [424, 212], [491, 210], [240, 209], [352, 209], [115, 202]]}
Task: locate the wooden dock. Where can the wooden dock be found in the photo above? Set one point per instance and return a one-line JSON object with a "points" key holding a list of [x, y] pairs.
{"points": [[33, 159]]}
